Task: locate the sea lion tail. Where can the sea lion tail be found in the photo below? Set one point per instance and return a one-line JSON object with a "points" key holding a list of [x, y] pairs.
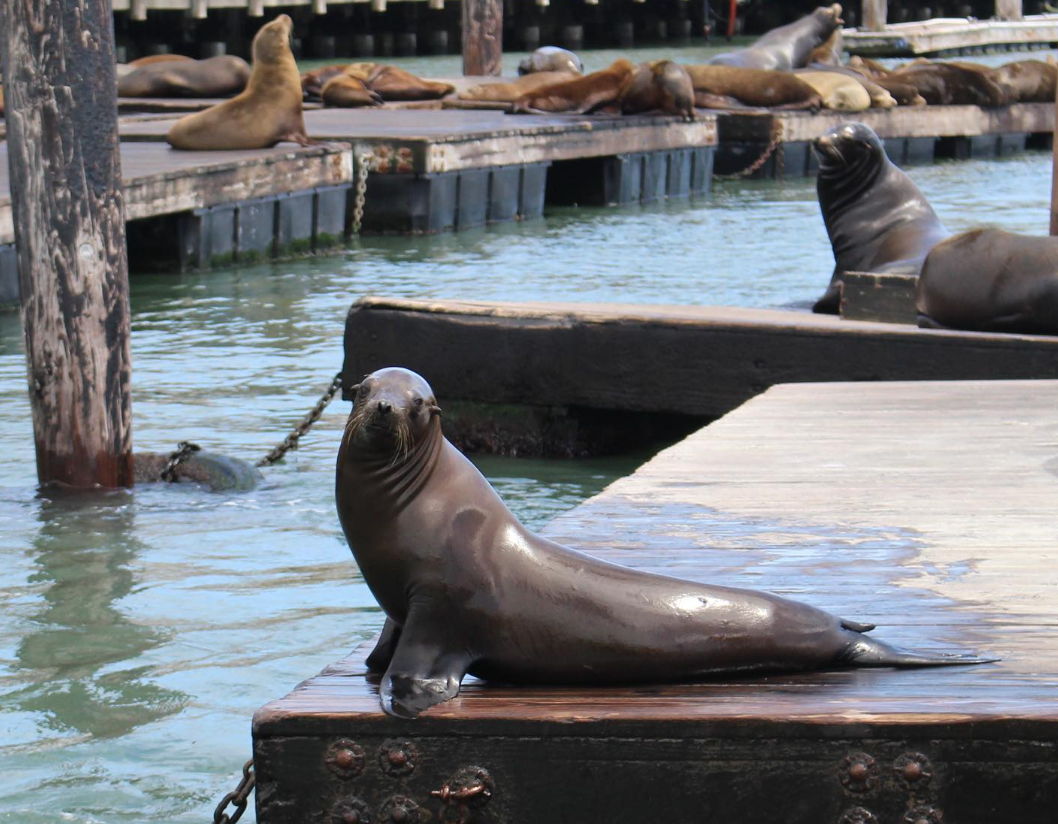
{"points": [[867, 652]]}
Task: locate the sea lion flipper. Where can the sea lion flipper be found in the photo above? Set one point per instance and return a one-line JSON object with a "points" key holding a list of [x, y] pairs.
{"points": [[427, 665], [382, 654], [300, 138]]}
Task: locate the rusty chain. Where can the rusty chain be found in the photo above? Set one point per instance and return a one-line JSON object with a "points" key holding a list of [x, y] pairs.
{"points": [[775, 144], [238, 798], [363, 162], [184, 450], [291, 440]]}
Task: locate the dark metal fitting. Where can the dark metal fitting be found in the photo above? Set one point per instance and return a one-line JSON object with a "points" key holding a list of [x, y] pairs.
{"points": [[858, 773], [400, 810], [858, 815], [397, 757], [345, 758], [351, 811], [923, 815], [914, 769]]}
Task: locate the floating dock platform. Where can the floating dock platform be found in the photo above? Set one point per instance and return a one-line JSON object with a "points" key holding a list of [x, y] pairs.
{"points": [[574, 378], [927, 508], [952, 36], [195, 209]]}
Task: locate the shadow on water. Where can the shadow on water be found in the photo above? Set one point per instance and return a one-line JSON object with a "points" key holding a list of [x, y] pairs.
{"points": [[83, 551]]}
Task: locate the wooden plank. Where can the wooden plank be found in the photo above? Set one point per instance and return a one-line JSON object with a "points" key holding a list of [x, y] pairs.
{"points": [[938, 524], [691, 360], [885, 298], [418, 142], [954, 34], [159, 180]]}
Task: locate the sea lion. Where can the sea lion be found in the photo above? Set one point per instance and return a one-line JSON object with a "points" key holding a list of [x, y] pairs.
{"points": [[312, 82], [267, 112], [579, 94], [867, 67], [880, 98], [945, 84], [1032, 81], [551, 59], [991, 281], [212, 77], [219, 473], [659, 86], [786, 47], [903, 93], [721, 87], [153, 59], [466, 588], [393, 83], [348, 92], [839, 92], [828, 53], [511, 91], [877, 219]]}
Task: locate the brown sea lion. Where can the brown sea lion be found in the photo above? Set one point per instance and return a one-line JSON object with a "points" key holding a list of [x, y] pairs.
{"points": [[312, 82], [880, 98], [828, 53], [153, 59], [719, 87], [991, 281], [467, 589], [212, 77], [266, 113], [786, 47], [551, 59], [840, 92], [344, 91], [660, 86], [512, 90], [580, 94], [397, 84], [1032, 81], [945, 84], [867, 67], [876, 217]]}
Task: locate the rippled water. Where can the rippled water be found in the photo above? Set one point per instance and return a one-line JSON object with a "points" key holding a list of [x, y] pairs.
{"points": [[141, 629]]}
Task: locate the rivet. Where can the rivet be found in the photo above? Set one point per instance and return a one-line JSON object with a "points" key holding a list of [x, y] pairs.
{"points": [[398, 814], [914, 769], [345, 758], [400, 810], [351, 811], [858, 772], [397, 757]]}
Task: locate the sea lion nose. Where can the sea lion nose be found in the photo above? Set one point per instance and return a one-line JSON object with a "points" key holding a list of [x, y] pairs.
{"points": [[384, 408]]}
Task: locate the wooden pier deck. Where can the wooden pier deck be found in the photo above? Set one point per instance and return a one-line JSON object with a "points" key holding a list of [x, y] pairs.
{"points": [[927, 508], [238, 194], [942, 36]]}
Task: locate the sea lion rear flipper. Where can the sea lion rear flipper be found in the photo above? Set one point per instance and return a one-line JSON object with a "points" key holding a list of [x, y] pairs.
{"points": [[382, 654], [427, 665], [869, 652]]}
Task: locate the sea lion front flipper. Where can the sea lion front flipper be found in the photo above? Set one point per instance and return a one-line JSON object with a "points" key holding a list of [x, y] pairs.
{"points": [[427, 667], [382, 654], [300, 138]]}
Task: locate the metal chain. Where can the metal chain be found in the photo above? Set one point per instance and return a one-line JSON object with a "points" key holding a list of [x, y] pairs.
{"points": [[184, 450], [362, 164], [776, 143], [291, 440], [238, 798]]}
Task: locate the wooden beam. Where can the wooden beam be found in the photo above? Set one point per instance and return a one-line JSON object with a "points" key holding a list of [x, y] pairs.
{"points": [[69, 220], [874, 14], [482, 37], [1008, 9]]}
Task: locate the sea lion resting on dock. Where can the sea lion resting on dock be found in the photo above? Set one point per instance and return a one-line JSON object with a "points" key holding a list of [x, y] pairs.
{"points": [[787, 47], [578, 95], [726, 87], [1032, 81], [991, 281], [212, 77], [551, 59], [395, 84], [876, 217], [266, 113], [660, 86], [467, 589], [839, 92], [508, 92], [947, 84]]}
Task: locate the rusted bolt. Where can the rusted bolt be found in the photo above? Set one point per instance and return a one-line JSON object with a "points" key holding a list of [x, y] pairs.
{"points": [[924, 815], [400, 810], [345, 758], [351, 811], [914, 769], [858, 772], [858, 815], [397, 757]]}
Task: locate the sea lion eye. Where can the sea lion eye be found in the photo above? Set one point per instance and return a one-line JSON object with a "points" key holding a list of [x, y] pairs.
{"points": [[417, 402]]}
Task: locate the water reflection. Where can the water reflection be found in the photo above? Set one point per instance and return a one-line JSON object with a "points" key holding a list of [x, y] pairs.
{"points": [[85, 551]]}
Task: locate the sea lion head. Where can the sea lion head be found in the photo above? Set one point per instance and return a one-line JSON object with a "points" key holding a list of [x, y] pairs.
{"points": [[848, 148], [394, 410], [830, 14], [272, 41]]}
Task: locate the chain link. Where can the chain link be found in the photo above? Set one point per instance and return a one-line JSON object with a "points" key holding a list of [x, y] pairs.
{"points": [[184, 450], [362, 165], [238, 798], [291, 440], [776, 143]]}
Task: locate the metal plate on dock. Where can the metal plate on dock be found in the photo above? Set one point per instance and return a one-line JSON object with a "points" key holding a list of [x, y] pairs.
{"points": [[925, 507]]}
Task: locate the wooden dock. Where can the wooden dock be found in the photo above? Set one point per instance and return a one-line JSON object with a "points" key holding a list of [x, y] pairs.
{"points": [[192, 209], [927, 508], [568, 366], [912, 134], [949, 36]]}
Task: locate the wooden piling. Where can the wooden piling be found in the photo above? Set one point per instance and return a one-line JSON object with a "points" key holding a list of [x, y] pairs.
{"points": [[482, 37], [1008, 9], [1054, 178], [69, 221], [874, 15]]}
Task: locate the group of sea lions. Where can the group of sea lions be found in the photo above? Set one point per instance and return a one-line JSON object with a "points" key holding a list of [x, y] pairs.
{"points": [[878, 221], [368, 84]]}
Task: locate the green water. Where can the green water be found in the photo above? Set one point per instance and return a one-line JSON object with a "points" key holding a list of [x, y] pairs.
{"points": [[140, 630]]}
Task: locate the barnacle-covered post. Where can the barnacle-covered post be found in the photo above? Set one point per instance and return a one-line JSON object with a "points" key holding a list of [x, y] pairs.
{"points": [[69, 219], [482, 37]]}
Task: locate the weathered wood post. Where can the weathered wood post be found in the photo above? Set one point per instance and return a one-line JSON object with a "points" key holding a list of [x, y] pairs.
{"points": [[482, 37], [62, 138], [1008, 9], [1054, 174], [874, 14]]}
